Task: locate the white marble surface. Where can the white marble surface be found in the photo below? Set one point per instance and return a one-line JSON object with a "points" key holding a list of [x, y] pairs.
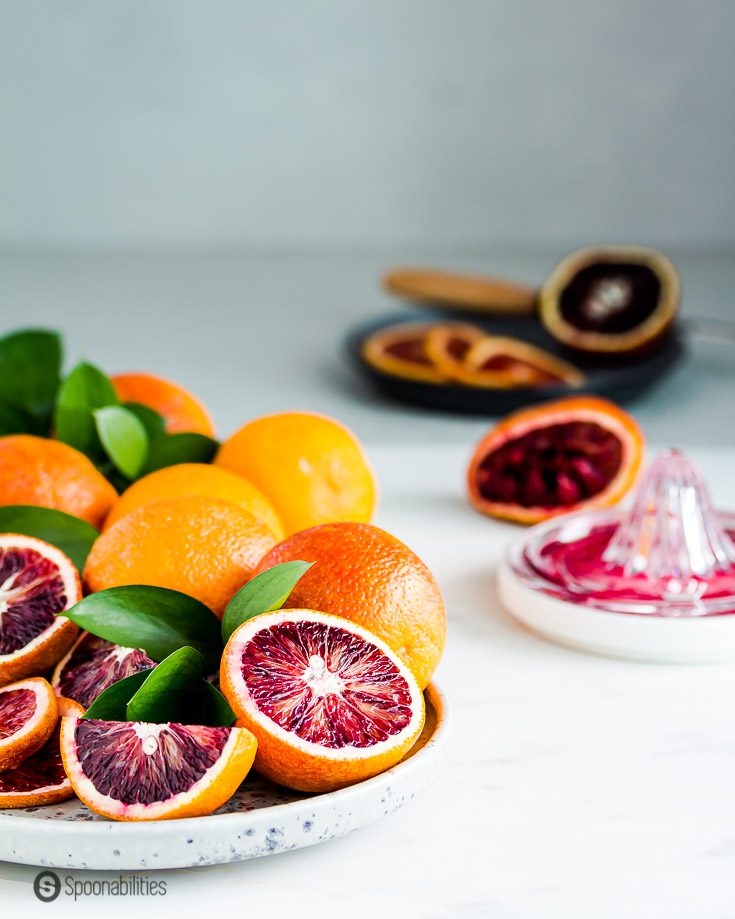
{"points": [[576, 786]]}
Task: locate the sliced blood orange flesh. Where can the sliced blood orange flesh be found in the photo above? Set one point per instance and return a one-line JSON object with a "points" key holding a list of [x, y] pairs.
{"points": [[401, 351], [552, 459], [28, 715], [92, 664], [40, 779], [499, 361], [37, 581], [448, 345], [140, 771], [328, 701]]}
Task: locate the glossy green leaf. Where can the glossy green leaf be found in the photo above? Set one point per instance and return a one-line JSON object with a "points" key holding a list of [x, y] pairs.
{"points": [[173, 449], [265, 592], [111, 704], [30, 367], [154, 423], [70, 534], [15, 420], [82, 392], [155, 619], [171, 691], [216, 709], [124, 438]]}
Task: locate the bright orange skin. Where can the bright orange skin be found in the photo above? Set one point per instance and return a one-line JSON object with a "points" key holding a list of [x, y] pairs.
{"points": [[602, 412], [48, 473], [311, 468], [203, 547], [284, 762], [39, 797], [205, 801], [180, 410], [14, 749], [69, 707], [368, 576], [189, 479]]}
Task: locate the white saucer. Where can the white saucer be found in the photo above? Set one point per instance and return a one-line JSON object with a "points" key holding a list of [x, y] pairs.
{"points": [[261, 819], [707, 639]]}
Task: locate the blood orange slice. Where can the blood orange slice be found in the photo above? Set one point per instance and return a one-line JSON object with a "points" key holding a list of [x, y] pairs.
{"points": [[38, 780], [500, 362], [37, 581], [329, 702], [28, 715], [447, 345], [136, 771], [555, 458], [92, 664], [401, 351]]}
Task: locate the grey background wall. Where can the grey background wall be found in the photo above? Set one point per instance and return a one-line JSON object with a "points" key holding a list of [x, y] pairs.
{"points": [[313, 123]]}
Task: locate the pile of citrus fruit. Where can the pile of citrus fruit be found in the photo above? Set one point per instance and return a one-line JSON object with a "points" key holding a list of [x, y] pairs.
{"points": [[139, 557]]}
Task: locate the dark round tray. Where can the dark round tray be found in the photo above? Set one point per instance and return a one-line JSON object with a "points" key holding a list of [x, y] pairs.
{"points": [[620, 380]]}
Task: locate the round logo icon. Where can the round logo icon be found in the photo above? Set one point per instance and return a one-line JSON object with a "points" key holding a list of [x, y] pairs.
{"points": [[47, 886]]}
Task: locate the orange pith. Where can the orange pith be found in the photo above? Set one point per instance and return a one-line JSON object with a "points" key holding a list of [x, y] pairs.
{"points": [[401, 351], [371, 578], [324, 764], [48, 473], [196, 479], [311, 468], [32, 726], [48, 646], [212, 790], [585, 410], [180, 409], [203, 547]]}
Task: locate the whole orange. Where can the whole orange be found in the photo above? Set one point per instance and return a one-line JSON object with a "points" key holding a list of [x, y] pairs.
{"points": [[180, 410], [49, 473], [312, 468], [203, 547], [189, 479], [364, 574]]}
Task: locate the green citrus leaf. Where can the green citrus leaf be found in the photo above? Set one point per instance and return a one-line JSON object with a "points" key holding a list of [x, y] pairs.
{"points": [[265, 592], [70, 534], [157, 620], [173, 449], [124, 438], [154, 423], [84, 390], [30, 367], [216, 709], [111, 704], [172, 690], [15, 420]]}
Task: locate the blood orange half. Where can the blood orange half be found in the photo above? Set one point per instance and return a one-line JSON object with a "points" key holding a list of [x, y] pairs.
{"points": [[38, 780], [555, 458], [136, 771], [37, 581], [28, 715], [92, 664], [329, 702]]}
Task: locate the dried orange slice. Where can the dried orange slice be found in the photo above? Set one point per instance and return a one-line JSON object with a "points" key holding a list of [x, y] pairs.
{"points": [[28, 716], [329, 702], [500, 362], [129, 770], [447, 345], [37, 582], [555, 458], [400, 350]]}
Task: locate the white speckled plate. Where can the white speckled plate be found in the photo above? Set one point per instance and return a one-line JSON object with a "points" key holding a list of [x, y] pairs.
{"points": [[261, 819]]}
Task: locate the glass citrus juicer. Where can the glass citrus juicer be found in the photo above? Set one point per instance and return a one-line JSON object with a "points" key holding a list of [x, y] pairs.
{"points": [[655, 581]]}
